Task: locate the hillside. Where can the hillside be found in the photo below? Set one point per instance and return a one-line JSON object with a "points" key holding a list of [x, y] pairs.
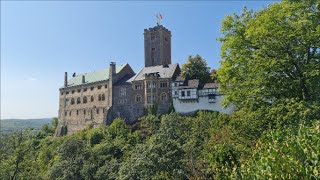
{"points": [[10, 125]]}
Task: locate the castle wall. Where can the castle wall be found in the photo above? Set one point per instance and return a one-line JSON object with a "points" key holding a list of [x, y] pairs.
{"points": [[77, 115]]}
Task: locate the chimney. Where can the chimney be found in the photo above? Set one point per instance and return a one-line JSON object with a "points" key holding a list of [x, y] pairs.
{"points": [[65, 79], [83, 79], [112, 70], [74, 75]]}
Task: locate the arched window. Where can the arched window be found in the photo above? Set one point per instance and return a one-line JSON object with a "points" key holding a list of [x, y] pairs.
{"points": [[92, 98], [138, 98], [72, 101], [103, 98], [85, 99], [78, 100], [163, 97], [99, 97]]}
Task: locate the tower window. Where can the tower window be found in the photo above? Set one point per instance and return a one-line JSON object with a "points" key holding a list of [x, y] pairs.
{"points": [[92, 88], [84, 99], [163, 97], [79, 90], [78, 100], [106, 86], [123, 92], [99, 87], [85, 89], [103, 97], [99, 99], [92, 98], [138, 98], [77, 112], [98, 111], [72, 92], [138, 86]]}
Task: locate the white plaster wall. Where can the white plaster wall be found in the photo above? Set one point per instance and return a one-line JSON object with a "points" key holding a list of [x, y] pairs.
{"points": [[183, 106]]}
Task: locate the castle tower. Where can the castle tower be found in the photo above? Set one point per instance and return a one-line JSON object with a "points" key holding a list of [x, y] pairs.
{"points": [[157, 46]]}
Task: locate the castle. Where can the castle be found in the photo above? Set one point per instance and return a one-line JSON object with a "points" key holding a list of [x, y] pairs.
{"points": [[96, 98]]}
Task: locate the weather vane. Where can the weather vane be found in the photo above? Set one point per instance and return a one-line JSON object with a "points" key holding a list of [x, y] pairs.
{"points": [[159, 18]]}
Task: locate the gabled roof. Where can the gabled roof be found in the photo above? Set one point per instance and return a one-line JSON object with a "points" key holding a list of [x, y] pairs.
{"points": [[95, 76], [164, 72], [210, 86], [180, 79], [192, 84]]}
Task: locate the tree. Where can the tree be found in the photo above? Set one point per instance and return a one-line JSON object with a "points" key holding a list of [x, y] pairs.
{"points": [[196, 68], [272, 54]]}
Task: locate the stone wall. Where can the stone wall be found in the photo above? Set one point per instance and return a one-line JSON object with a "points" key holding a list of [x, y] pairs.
{"points": [[79, 115]]}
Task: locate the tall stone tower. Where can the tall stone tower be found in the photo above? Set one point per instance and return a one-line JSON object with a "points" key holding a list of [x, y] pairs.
{"points": [[157, 46]]}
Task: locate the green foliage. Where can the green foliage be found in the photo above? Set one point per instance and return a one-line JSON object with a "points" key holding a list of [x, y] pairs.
{"points": [[196, 68], [271, 54], [286, 154]]}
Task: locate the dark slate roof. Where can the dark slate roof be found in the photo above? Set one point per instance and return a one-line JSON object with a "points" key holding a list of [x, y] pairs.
{"points": [[180, 79], [163, 72], [193, 83], [210, 86], [95, 76]]}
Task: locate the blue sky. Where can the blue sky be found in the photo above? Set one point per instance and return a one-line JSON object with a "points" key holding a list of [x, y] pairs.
{"points": [[42, 40]]}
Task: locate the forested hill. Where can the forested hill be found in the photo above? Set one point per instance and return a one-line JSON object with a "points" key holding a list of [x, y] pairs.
{"points": [[10, 125]]}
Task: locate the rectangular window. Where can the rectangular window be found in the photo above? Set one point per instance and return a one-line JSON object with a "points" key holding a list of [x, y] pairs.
{"points": [[61, 93], [84, 111], [79, 90], [163, 84], [151, 85], [182, 93], [92, 88], [72, 92], [99, 87], [106, 86], [188, 93], [97, 111], [123, 92], [138, 86], [67, 92], [175, 92], [85, 89]]}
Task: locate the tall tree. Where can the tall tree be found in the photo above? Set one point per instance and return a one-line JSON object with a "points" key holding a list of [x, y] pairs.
{"points": [[272, 54], [196, 68]]}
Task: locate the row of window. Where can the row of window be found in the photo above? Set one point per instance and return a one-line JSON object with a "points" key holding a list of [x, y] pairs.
{"points": [[101, 97], [150, 85], [84, 112], [85, 89], [152, 98]]}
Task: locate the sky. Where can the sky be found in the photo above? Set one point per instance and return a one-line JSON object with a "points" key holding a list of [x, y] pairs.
{"points": [[42, 40]]}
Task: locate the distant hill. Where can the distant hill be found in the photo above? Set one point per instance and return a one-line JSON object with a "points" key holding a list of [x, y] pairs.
{"points": [[10, 125]]}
